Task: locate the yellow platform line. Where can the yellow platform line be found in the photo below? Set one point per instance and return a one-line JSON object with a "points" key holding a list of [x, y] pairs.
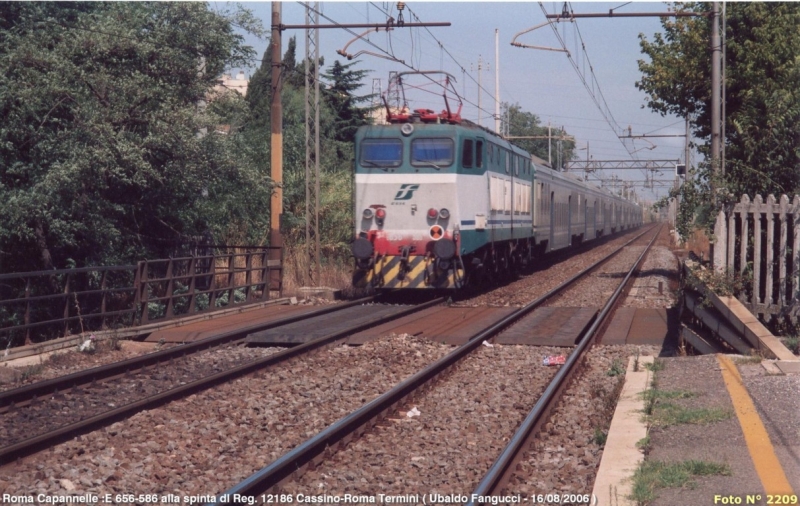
{"points": [[767, 465]]}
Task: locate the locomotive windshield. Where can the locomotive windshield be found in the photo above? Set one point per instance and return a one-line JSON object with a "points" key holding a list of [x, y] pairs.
{"points": [[432, 152], [381, 152]]}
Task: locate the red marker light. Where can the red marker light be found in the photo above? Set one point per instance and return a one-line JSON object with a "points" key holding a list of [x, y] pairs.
{"points": [[380, 213], [432, 213]]}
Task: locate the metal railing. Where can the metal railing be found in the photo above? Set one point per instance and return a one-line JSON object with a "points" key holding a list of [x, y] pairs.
{"points": [[65, 301], [42, 305], [183, 286]]}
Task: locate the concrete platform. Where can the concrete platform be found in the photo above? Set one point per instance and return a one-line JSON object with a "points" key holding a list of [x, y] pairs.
{"points": [[787, 367], [621, 457], [751, 397]]}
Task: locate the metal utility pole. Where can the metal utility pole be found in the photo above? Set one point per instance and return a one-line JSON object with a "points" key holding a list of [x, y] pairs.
{"points": [[312, 144], [393, 92], [480, 88], [276, 125], [686, 149], [276, 144], [588, 159], [376, 95], [716, 51], [497, 81]]}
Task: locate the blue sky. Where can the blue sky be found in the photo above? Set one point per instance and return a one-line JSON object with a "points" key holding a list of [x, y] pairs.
{"points": [[542, 82]]}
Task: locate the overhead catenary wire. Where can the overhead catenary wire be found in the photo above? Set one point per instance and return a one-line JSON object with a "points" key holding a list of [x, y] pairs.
{"points": [[604, 109]]}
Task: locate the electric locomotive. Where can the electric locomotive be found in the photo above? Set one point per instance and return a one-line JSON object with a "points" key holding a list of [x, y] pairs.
{"points": [[442, 203]]}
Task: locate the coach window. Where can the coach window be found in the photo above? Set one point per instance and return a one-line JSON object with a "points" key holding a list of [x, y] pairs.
{"points": [[508, 160], [467, 154], [479, 154], [516, 165]]}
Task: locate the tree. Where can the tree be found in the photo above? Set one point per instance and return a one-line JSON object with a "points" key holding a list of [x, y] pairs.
{"points": [[336, 152], [762, 96], [102, 153], [526, 124], [340, 95]]}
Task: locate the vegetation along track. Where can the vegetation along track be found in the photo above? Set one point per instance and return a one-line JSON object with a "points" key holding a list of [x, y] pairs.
{"points": [[466, 415], [63, 410]]}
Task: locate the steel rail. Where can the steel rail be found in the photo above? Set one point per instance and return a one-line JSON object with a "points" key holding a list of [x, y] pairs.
{"points": [[35, 443], [313, 449], [34, 390], [549, 398]]}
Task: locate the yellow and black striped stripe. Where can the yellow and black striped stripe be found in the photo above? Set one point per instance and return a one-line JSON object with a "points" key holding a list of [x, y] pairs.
{"points": [[391, 272]]}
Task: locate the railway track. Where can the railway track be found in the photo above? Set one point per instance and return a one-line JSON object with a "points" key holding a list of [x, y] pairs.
{"points": [[322, 447], [27, 406], [498, 476]]}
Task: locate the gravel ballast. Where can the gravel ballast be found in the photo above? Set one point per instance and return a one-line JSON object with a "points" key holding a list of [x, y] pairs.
{"points": [[209, 441], [465, 421], [72, 406], [534, 285]]}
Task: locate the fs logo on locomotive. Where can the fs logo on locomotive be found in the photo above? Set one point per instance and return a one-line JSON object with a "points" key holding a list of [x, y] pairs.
{"points": [[406, 191]]}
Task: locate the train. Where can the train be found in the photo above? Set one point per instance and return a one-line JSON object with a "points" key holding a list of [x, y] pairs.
{"points": [[442, 203]]}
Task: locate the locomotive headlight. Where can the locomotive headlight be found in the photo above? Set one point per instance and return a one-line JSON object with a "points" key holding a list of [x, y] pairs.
{"points": [[380, 215], [368, 214], [432, 213], [444, 213]]}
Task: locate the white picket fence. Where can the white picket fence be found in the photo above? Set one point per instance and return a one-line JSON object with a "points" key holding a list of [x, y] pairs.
{"points": [[761, 241]]}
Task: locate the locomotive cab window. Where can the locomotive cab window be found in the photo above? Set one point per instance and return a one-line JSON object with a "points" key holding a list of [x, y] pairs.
{"points": [[381, 152], [479, 154], [434, 153], [467, 154]]}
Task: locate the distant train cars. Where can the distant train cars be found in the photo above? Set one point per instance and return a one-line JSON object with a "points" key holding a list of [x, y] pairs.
{"points": [[441, 203]]}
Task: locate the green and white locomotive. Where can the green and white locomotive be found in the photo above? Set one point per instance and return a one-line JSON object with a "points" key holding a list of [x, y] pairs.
{"points": [[442, 203]]}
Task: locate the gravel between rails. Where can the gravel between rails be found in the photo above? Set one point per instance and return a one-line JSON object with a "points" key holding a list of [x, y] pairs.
{"points": [[70, 360], [206, 443], [71, 406], [659, 266], [466, 419], [532, 286], [596, 288], [565, 457]]}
